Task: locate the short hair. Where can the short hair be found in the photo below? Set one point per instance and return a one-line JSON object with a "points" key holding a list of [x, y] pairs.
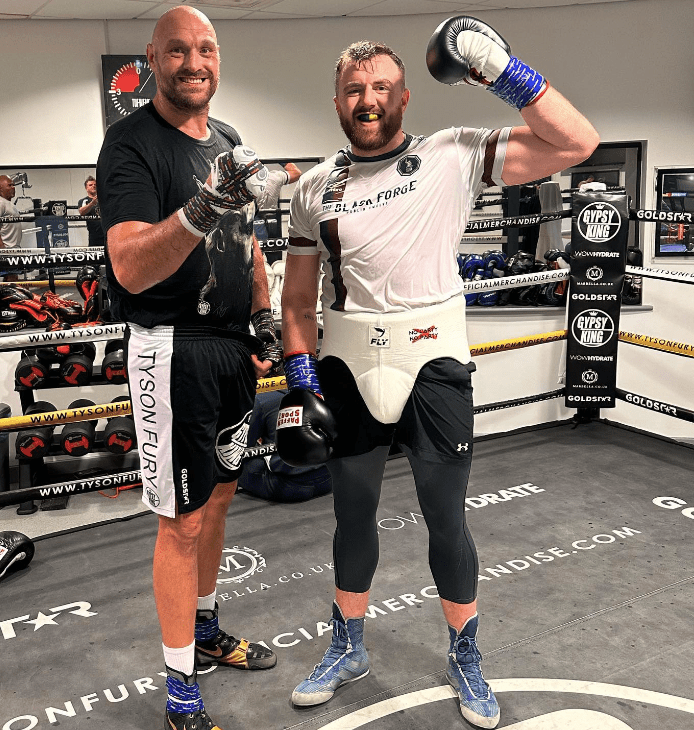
{"points": [[364, 51], [89, 179]]}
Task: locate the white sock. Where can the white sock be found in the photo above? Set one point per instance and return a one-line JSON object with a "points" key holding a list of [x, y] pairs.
{"points": [[207, 603], [182, 660]]}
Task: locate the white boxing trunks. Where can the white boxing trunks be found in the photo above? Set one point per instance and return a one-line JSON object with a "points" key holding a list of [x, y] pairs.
{"points": [[386, 351]]}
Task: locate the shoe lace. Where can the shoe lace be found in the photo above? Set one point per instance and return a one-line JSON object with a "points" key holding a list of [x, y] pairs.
{"points": [[226, 642], [200, 720], [468, 658], [334, 652]]}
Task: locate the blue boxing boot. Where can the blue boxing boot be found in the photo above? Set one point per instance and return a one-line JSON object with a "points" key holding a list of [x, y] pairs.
{"points": [[477, 701], [344, 661]]}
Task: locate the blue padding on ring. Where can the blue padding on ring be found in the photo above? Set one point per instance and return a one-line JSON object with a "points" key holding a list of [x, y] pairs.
{"points": [[518, 84]]}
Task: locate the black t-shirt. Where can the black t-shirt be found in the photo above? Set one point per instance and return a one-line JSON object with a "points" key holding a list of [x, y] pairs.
{"points": [[96, 232], [146, 170]]}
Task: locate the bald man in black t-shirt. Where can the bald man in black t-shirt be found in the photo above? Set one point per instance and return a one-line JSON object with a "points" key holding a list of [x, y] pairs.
{"points": [[176, 192]]}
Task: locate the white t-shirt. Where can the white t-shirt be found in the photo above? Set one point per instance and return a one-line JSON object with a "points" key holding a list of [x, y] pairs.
{"points": [[10, 233], [388, 227]]}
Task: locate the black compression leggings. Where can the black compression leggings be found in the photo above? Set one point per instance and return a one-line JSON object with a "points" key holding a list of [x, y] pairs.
{"points": [[441, 491]]}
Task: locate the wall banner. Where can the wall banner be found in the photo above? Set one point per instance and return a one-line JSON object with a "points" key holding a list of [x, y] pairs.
{"points": [[599, 232]]}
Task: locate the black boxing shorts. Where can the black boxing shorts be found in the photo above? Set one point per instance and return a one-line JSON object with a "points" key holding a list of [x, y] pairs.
{"points": [[192, 393], [436, 423]]}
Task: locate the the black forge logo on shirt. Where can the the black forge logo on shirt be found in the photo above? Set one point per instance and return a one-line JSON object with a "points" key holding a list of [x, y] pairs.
{"points": [[229, 248]]}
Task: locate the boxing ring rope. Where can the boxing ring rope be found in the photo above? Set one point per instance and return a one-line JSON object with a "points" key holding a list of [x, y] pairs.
{"points": [[265, 385], [129, 478], [684, 414]]}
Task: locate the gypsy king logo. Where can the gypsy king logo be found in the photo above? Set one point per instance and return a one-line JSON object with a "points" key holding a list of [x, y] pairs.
{"points": [[593, 328], [152, 497], [58, 209], [599, 222], [231, 443]]}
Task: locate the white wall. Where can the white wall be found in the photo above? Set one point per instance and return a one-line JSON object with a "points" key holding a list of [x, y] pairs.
{"points": [[628, 66]]}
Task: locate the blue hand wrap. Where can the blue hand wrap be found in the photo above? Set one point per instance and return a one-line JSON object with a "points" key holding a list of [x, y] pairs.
{"points": [[181, 697], [518, 84], [300, 369]]}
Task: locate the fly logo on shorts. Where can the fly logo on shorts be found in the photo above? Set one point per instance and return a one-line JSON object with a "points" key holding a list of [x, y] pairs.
{"points": [[431, 333], [593, 328], [379, 336], [231, 443], [599, 222]]}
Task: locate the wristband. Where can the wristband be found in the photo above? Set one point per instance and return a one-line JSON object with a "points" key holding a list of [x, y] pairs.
{"points": [[300, 369], [518, 84]]}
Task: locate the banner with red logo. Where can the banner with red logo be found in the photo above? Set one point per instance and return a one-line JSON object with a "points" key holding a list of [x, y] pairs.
{"points": [[599, 232]]}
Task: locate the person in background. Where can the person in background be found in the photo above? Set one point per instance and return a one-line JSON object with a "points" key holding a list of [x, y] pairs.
{"points": [[268, 476], [10, 233], [90, 206]]}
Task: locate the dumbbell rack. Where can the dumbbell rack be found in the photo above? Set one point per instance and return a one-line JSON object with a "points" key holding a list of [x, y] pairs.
{"points": [[31, 470]]}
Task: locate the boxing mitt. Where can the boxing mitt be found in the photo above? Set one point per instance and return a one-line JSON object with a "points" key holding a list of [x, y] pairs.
{"points": [[466, 50], [305, 429], [16, 551]]}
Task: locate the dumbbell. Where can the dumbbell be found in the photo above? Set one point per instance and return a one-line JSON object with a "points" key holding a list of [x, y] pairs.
{"points": [[35, 366], [77, 439], [31, 371], [119, 434], [113, 366], [35, 442], [77, 367]]}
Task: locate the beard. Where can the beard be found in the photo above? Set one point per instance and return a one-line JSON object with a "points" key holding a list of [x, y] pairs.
{"points": [[178, 97], [371, 139]]}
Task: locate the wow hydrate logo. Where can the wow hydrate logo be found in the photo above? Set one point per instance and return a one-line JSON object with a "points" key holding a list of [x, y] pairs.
{"points": [[599, 222], [593, 328]]}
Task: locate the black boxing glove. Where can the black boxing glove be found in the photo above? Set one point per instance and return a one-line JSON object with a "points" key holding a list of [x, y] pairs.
{"points": [[306, 428], [16, 551], [466, 50]]}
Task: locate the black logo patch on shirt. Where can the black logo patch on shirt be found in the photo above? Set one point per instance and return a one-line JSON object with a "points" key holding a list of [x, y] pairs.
{"points": [[409, 164]]}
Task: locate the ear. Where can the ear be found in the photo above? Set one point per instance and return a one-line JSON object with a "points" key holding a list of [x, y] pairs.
{"points": [[337, 105], [405, 99], [150, 54]]}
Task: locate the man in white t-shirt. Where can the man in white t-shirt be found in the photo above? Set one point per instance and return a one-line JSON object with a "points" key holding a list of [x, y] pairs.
{"points": [[10, 233], [384, 217]]}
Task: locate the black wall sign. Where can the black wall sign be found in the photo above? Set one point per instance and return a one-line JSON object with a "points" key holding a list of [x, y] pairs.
{"points": [[599, 232]]}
